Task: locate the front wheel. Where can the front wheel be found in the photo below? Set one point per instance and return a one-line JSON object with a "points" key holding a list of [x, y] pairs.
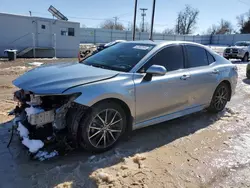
{"points": [[245, 58], [103, 127], [220, 98]]}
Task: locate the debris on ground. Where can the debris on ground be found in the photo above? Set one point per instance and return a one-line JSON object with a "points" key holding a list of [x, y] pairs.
{"points": [[138, 158], [43, 155], [65, 185], [101, 176]]}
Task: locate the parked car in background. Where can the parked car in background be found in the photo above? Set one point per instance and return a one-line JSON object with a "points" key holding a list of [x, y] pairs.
{"points": [[100, 47], [127, 86], [240, 50], [103, 46]]}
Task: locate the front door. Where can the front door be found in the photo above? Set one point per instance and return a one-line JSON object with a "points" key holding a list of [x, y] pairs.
{"points": [[165, 94], [44, 34]]}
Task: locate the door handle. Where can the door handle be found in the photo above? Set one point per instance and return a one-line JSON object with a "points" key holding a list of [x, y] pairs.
{"points": [[185, 77], [215, 71]]}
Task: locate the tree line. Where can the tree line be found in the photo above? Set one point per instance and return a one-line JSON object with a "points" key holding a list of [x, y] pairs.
{"points": [[186, 23]]}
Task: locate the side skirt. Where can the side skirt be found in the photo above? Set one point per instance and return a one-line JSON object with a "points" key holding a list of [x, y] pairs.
{"points": [[168, 117]]}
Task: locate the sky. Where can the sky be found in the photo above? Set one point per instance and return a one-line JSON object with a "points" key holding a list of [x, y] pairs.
{"points": [[92, 12]]}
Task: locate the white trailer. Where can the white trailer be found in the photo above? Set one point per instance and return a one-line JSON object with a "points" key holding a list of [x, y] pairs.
{"points": [[39, 37]]}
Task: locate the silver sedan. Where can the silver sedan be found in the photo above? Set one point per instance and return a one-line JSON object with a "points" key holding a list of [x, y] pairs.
{"points": [[128, 86]]}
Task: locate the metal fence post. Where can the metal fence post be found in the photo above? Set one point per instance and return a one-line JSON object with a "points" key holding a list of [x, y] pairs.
{"points": [[54, 44], [139, 35], [111, 35], [94, 36], [126, 35], [34, 45]]}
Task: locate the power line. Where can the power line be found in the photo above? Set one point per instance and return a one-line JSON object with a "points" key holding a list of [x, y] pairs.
{"points": [[116, 18], [143, 14], [244, 2]]}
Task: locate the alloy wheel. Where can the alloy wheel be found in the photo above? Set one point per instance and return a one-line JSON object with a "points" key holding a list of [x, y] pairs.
{"points": [[221, 98], [105, 128]]}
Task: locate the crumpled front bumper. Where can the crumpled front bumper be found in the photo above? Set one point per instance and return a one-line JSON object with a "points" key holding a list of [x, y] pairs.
{"points": [[39, 122]]}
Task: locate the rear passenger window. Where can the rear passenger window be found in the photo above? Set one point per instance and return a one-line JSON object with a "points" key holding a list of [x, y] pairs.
{"points": [[170, 57], [197, 56], [210, 58]]}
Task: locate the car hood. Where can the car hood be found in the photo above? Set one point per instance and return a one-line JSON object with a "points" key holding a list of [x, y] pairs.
{"points": [[56, 78]]}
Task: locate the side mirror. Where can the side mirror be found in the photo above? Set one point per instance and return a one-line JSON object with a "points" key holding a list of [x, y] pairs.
{"points": [[156, 70]]}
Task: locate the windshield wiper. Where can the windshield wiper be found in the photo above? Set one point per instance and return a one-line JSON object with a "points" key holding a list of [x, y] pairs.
{"points": [[102, 66]]}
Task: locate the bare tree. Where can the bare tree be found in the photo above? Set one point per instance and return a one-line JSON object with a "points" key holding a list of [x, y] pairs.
{"points": [[224, 27], [241, 20], [169, 31], [186, 20], [110, 24], [244, 22], [130, 28], [212, 30]]}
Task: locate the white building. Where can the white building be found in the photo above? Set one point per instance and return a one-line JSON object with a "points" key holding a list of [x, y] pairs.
{"points": [[39, 37]]}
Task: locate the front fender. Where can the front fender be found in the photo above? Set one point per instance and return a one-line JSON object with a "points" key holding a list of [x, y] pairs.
{"points": [[117, 88]]}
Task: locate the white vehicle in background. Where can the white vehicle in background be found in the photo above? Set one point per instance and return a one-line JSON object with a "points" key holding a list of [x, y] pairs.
{"points": [[240, 50]]}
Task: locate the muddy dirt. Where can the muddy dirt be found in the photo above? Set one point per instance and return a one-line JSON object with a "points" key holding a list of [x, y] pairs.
{"points": [[199, 150]]}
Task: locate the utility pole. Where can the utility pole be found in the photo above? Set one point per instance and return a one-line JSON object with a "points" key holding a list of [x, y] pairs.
{"points": [[143, 14], [134, 23], [116, 18], [152, 21]]}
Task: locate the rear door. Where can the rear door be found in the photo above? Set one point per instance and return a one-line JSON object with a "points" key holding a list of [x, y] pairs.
{"points": [[162, 94], [203, 75]]}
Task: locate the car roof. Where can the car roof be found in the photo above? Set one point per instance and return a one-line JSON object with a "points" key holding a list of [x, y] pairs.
{"points": [[162, 42]]}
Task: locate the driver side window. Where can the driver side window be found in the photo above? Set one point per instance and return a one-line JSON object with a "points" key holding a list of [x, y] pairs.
{"points": [[170, 57]]}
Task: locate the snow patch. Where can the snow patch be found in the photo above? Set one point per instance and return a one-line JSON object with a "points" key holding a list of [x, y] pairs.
{"points": [[36, 63], [23, 131], [33, 145]]}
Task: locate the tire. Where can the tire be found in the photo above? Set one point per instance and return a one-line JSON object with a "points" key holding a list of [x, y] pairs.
{"points": [[98, 133], [248, 75], [245, 58], [248, 71], [220, 97]]}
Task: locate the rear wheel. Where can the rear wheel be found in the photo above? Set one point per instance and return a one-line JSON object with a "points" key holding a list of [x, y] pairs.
{"points": [[103, 127], [220, 98]]}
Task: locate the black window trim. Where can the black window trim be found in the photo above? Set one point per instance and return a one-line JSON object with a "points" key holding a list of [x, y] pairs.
{"points": [[187, 59], [207, 52], [171, 45]]}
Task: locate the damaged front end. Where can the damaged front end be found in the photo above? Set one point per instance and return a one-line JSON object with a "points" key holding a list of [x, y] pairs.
{"points": [[42, 122]]}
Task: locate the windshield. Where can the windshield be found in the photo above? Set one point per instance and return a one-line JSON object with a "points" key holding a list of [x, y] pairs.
{"points": [[242, 44], [121, 57]]}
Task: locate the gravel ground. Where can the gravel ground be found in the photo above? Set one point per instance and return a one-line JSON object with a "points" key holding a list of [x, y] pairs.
{"points": [[199, 150]]}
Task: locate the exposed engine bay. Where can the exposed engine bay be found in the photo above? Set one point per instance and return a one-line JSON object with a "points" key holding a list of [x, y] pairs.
{"points": [[42, 123]]}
